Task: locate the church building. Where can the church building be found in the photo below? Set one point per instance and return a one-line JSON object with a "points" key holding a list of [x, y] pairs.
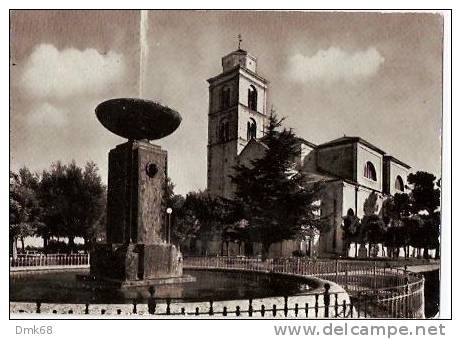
{"points": [[350, 169]]}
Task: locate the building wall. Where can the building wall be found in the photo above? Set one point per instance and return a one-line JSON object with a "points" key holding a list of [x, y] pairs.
{"points": [[331, 238], [338, 160], [244, 117], [395, 170], [365, 154], [349, 198], [308, 159], [364, 197], [229, 80], [236, 58], [254, 150], [355, 197], [222, 157], [221, 160], [245, 80], [386, 173], [244, 113]]}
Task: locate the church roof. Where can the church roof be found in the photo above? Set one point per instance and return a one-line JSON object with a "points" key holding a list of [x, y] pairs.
{"points": [[391, 158], [349, 140], [237, 51], [257, 141], [304, 141], [252, 143]]}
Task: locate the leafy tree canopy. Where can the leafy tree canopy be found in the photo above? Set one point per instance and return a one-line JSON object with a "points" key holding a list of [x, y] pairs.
{"points": [[270, 194], [73, 200]]}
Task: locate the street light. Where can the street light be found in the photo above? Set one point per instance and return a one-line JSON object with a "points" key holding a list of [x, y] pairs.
{"points": [[169, 210]]}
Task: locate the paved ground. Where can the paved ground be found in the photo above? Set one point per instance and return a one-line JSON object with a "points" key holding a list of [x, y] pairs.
{"points": [[424, 268]]}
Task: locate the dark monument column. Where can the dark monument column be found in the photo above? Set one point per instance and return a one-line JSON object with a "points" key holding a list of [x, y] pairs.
{"points": [[137, 171]]}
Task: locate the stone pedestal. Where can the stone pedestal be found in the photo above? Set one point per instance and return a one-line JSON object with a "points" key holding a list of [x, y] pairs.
{"points": [[137, 171], [135, 252], [137, 264]]}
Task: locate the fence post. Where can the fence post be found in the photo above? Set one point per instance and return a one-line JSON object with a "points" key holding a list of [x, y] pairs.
{"points": [[211, 312], [326, 300], [168, 310], [336, 305], [374, 274], [316, 306], [346, 274], [336, 270], [250, 307], [151, 305], [285, 306]]}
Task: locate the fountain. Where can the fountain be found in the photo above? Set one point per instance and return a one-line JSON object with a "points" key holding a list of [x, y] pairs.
{"points": [[135, 252]]}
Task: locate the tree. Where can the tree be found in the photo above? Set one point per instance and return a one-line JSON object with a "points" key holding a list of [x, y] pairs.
{"points": [[351, 227], [425, 202], [73, 200], [373, 229], [197, 216], [425, 194], [396, 212], [25, 212], [273, 197], [167, 202], [93, 204]]}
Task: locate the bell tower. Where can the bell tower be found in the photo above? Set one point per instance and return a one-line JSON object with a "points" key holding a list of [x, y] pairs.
{"points": [[237, 113]]}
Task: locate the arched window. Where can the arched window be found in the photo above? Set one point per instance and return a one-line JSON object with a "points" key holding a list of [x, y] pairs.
{"points": [[225, 97], [369, 171], [223, 131], [251, 129], [252, 98], [399, 184]]}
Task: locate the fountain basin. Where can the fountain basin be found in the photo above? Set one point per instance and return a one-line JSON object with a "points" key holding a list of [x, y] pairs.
{"points": [[137, 119], [63, 287]]}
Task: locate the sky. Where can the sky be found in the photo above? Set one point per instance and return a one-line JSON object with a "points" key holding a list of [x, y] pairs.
{"points": [[373, 75]]}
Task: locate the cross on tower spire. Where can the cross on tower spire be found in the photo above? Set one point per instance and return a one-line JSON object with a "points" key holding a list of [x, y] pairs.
{"points": [[239, 39]]}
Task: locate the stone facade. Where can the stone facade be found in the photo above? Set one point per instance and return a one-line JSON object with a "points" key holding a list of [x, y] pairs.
{"points": [[349, 169], [237, 113], [394, 171]]}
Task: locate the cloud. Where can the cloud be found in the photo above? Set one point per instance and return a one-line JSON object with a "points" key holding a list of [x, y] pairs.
{"points": [[47, 115], [50, 73], [334, 64]]}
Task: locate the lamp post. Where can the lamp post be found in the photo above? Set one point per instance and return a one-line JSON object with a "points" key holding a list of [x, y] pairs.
{"points": [[169, 210]]}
